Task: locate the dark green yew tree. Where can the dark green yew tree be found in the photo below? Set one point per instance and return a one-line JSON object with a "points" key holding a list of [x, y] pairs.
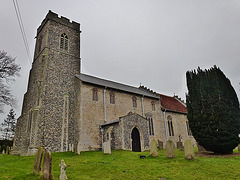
{"points": [[213, 110]]}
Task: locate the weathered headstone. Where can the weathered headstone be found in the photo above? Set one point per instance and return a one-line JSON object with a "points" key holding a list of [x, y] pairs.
{"points": [[107, 147], [47, 166], [170, 153], [7, 150], [153, 148], [180, 145], [3, 151], [72, 147], [188, 150], [239, 148], [38, 161], [63, 167], [160, 144]]}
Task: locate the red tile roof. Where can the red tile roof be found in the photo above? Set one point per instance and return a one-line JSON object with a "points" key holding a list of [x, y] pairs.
{"points": [[172, 104]]}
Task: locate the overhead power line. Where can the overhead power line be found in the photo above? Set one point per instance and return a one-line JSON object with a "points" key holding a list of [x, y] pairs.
{"points": [[20, 22]]}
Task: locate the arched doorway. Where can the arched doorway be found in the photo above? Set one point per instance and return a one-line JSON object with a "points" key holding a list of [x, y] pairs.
{"points": [[136, 144]]}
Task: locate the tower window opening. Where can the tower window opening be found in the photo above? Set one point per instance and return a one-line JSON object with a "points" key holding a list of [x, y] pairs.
{"points": [[64, 42]]}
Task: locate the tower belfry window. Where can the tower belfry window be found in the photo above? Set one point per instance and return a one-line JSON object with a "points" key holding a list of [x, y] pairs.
{"points": [[64, 42]]}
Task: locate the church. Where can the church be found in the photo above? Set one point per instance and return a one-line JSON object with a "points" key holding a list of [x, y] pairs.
{"points": [[66, 110]]}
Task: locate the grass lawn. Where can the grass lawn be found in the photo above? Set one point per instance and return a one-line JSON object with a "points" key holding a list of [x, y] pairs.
{"points": [[125, 165]]}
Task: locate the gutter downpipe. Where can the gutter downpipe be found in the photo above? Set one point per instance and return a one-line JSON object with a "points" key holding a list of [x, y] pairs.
{"points": [[142, 107], [165, 125], [102, 132], [104, 102]]}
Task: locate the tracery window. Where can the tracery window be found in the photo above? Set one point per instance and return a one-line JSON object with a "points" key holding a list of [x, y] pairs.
{"points": [[134, 100], [151, 130], [112, 98], [95, 94], [170, 126], [64, 42]]}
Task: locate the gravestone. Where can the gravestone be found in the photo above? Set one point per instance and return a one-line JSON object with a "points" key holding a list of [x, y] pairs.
{"points": [[72, 147], [38, 161], [3, 151], [188, 150], [47, 166], [170, 153], [0, 150], [69, 147], [63, 167], [7, 150], [153, 148], [107, 147], [180, 145], [239, 148], [160, 145]]}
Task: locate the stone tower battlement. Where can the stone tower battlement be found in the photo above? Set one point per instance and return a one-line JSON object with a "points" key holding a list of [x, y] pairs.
{"points": [[62, 20]]}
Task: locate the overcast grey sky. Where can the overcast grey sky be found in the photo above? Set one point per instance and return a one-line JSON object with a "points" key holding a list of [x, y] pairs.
{"points": [[152, 42]]}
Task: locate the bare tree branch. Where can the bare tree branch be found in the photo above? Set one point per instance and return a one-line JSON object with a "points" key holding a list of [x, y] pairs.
{"points": [[8, 70]]}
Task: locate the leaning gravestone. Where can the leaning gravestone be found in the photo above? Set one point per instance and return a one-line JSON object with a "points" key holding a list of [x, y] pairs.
{"points": [[188, 150], [170, 153], [107, 147], [63, 167], [180, 145], [47, 166], [160, 145], [239, 148], [38, 161], [153, 148]]}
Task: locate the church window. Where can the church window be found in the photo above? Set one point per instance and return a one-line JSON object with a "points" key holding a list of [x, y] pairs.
{"points": [[112, 98], [188, 129], [151, 131], [170, 126], [64, 42], [153, 106], [134, 100], [95, 94]]}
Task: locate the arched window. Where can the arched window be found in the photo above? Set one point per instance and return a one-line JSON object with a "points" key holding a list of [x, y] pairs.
{"points": [[153, 106], [151, 130], [134, 100], [170, 126], [64, 42], [95, 94], [112, 98]]}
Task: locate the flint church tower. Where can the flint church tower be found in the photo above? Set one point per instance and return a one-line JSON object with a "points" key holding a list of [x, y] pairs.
{"points": [[49, 109]]}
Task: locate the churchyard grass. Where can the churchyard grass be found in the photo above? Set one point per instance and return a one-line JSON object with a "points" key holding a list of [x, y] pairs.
{"points": [[125, 165]]}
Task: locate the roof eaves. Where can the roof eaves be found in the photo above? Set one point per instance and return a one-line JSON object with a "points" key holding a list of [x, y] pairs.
{"points": [[169, 110]]}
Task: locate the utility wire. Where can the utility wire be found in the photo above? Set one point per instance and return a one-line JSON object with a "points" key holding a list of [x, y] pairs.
{"points": [[20, 22]]}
